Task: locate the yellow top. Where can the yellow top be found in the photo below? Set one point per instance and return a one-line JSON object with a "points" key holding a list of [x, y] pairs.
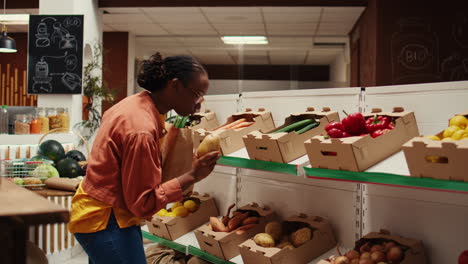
{"points": [[89, 215]]}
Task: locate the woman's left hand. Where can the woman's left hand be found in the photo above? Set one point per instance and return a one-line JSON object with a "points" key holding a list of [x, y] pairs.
{"points": [[203, 166]]}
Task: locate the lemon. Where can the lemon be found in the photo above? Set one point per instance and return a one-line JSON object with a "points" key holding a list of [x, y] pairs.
{"points": [[432, 159], [458, 135], [181, 211], [175, 205], [448, 132], [433, 137], [171, 214], [191, 205], [459, 121], [162, 212]]}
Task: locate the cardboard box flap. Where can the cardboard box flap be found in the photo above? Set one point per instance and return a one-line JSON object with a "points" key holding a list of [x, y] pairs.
{"points": [[267, 252], [415, 245], [422, 142], [463, 114]]}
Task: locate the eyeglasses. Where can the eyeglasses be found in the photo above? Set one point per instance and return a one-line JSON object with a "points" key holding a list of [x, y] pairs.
{"points": [[196, 94]]}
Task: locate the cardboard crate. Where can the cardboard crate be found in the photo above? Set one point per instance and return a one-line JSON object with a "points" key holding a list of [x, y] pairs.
{"points": [[413, 248], [225, 244], [323, 239], [174, 227], [444, 160], [207, 119], [231, 139], [286, 147], [361, 152]]}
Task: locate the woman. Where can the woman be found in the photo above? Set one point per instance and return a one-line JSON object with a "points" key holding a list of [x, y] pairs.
{"points": [[123, 183]]}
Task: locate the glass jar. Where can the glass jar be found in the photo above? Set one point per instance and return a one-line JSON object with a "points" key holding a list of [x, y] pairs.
{"points": [[54, 120], [44, 120], [64, 118], [35, 124], [22, 125]]}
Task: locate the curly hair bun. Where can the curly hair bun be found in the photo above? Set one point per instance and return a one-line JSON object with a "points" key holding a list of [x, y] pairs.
{"points": [[152, 73]]}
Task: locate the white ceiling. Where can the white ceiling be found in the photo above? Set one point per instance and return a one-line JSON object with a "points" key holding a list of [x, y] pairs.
{"points": [[291, 32]]}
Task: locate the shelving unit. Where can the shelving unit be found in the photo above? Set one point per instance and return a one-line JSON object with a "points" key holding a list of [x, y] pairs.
{"points": [[383, 197]]}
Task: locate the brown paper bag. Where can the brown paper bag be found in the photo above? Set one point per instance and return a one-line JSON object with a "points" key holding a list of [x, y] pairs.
{"points": [[66, 184], [177, 152]]}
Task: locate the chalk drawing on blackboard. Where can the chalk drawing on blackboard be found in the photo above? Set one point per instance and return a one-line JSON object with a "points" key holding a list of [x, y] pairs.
{"points": [[454, 68], [71, 61], [70, 80], [72, 22], [41, 78], [460, 31], [42, 35], [414, 52], [63, 38]]}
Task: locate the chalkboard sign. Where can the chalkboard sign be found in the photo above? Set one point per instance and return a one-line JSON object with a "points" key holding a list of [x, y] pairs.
{"points": [[55, 54]]}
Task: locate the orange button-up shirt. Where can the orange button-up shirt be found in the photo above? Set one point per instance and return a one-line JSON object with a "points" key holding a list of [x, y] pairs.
{"points": [[124, 169]]}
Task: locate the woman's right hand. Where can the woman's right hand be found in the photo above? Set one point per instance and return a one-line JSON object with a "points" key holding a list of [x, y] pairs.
{"points": [[203, 166]]}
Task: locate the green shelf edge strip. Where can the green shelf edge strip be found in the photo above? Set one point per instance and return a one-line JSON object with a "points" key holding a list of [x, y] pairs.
{"points": [[182, 248], [164, 242], [258, 165], [207, 256], [389, 179]]}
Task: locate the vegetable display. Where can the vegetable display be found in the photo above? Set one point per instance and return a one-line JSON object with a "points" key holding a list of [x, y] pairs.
{"points": [[240, 221], [284, 235], [181, 209], [300, 127], [237, 124], [356, 124], [457, 130]]}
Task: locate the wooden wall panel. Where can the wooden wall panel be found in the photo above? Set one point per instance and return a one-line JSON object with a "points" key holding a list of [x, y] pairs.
{"points": [[13, 82], [115, 64]]}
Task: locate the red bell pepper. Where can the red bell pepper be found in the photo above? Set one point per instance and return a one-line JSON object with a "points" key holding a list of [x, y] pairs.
{"points": [[377, 122], [354, 124], [463, 258], [379, 132], [346, 134], [335, 133], [336, 125]]}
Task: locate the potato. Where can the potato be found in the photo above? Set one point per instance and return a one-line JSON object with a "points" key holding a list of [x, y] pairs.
{"points": [[286, 244], [264, 240], [210, 143], [301, 236], [275, 230]]}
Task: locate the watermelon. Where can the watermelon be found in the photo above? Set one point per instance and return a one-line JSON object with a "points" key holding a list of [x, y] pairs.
{"points": [[51, 149], [69, 168], [39, 158], [76, 155]]}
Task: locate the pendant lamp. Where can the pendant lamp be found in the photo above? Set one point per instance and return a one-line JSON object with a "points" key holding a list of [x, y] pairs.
{"points": [[7, 44]]}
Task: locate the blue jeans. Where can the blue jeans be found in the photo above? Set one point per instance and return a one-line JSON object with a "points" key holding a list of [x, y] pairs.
{"points": [[113, 245]]}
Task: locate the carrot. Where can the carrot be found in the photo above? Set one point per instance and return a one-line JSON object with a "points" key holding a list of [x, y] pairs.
{"points": [[230, 125], [242, 125]]}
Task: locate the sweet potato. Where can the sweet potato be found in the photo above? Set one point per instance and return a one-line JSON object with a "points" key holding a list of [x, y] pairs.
{"points": [[250, 220], [217, 225], [236, 221], [226, 218]]}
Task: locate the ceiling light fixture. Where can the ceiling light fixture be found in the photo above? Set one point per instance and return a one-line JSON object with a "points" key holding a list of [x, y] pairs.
{"points": [[7, 44], [245, 40], [14, 19]]}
